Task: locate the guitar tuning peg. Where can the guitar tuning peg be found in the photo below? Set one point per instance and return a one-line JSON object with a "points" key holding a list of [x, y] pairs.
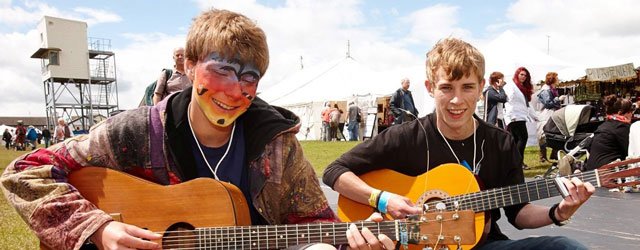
{"points": [[458, 239], [440, 206]]}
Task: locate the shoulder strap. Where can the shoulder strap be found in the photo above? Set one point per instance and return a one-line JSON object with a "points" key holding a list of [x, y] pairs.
{"points": [[167, 74]]}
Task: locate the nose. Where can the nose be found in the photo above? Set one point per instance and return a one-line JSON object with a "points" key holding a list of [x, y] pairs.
{"points": [[457, 98], [234, 89]]}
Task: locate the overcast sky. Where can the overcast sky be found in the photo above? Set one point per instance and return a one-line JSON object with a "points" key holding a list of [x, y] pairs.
{"points": [[384, 35]]}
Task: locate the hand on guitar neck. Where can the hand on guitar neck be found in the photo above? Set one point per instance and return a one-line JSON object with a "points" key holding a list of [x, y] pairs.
{"points": [[365, 239], [117, 235], [579, 193]]}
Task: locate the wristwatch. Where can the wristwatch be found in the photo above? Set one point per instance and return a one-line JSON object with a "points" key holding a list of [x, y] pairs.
{"points": [[552, 216]]}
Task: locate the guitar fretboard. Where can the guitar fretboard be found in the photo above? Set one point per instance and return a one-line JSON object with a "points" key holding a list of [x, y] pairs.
{"points": [[507, 196], [273, 237]]}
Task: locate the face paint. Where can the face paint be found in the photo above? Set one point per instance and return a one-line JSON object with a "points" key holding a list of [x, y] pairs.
{"points": [[224, 88]]}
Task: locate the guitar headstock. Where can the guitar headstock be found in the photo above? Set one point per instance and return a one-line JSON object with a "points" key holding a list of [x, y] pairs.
{"points": [[609, 174], [442, 228]]}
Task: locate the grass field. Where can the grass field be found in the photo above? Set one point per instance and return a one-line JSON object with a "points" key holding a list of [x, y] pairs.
{"points": [[14, 233]]}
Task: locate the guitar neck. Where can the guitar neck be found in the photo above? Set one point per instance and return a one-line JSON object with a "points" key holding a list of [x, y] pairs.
{"points": [[511, 195], [278, 236]]}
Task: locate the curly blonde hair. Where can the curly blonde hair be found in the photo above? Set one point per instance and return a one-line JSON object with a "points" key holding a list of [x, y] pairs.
{"points": [[457, 58]]}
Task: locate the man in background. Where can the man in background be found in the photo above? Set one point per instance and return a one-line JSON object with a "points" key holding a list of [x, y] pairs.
{"points": [[402, 105], [177, 80], [353, 113], [326, 122], [46, 135]]}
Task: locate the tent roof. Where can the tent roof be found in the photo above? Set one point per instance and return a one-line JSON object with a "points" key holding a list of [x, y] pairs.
{"points": [[507, 52], [337, 80]]}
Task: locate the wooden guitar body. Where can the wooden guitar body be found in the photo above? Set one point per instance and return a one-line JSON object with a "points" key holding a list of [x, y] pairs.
{"points": [[151, 205], [176, 208], [445, 181]]}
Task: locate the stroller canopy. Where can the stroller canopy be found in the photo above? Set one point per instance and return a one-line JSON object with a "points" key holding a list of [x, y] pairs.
{"points": [[567, 119]]}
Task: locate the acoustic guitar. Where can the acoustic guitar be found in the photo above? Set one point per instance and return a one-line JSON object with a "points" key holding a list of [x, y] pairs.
{"points": [[209, 214], [452, 187]]}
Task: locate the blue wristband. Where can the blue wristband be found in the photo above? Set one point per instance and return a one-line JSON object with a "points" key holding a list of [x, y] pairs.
{"points": [[382, 203]]}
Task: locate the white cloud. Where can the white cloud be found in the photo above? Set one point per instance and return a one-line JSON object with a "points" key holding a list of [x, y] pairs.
{"points": [[586, 33], [433, 23], [14, 15], [20, 74], [96, 16], [579, 17]]}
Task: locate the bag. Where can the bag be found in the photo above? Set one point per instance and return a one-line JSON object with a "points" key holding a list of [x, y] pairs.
{"points": [[358, 117], [147, 99]]}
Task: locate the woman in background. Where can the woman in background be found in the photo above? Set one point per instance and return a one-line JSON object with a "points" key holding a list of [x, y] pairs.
{"points": [[611, 139], [550, 101], [517, 108], [494, 99]]}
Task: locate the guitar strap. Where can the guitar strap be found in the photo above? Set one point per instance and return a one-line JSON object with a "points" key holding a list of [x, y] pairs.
{"points": [[155, 134]]}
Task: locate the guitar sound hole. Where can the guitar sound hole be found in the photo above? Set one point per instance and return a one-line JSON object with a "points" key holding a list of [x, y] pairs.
{"points": [[431, 197], [180, 236]]}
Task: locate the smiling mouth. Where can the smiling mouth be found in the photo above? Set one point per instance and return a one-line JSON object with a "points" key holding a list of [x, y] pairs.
{"points": [[222, 105], [456, 111]]}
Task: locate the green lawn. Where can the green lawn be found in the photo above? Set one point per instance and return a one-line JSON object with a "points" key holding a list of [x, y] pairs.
{"points": [[14, 233]]}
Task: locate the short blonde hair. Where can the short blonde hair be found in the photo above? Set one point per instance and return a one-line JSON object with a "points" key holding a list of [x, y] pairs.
{"points": [[457, 58], [229, 34]]}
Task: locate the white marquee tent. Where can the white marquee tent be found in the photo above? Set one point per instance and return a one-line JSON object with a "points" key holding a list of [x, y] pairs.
{"points": [[306, 91]]}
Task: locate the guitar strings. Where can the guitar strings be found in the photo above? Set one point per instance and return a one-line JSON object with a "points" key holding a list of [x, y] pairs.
{"points": [[175, 241], [306, 234], [523, 190]]}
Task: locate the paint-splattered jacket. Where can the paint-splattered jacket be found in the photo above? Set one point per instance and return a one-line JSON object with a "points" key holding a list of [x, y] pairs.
{"points": [[152, 143]]}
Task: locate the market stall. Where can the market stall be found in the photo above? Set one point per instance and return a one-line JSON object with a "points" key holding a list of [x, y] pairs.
{"points": [[621, 80]]}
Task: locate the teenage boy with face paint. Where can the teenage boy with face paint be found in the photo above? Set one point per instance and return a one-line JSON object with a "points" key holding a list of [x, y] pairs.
{"points": [[217, 129], [453, 134]]}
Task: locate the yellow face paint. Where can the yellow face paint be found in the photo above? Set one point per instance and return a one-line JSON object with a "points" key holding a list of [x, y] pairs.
{"points": [[224, 88]]}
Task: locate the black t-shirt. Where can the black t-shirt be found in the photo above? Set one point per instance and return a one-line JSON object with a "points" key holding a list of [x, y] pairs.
{"points": [[403, 148], [610, 142]]}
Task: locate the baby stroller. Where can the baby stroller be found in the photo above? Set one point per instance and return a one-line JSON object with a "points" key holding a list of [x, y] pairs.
{"points": [[569, 130]]}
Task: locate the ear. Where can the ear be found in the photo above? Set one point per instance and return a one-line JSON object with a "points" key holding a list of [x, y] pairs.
{"points": [[482, 82], [427, 84], [190, 69]]}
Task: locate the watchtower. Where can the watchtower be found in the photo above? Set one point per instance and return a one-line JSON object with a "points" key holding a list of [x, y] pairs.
{"points": [[78, 73]]}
